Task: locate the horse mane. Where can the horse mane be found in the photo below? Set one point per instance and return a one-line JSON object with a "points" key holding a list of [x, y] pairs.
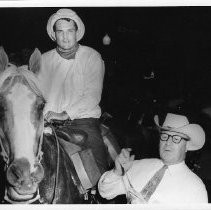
{"points": [[24, 76]]}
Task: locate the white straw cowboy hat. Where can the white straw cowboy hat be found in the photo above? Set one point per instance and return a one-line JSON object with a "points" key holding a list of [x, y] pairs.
{"points": [[180, 124], [65, 13]]}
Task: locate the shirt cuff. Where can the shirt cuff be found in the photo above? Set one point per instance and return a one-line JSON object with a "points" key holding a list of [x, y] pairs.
{"points": [[110, 175]]}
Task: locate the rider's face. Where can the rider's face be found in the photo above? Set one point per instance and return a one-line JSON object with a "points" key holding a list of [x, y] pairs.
{"points": [[65, 34]]}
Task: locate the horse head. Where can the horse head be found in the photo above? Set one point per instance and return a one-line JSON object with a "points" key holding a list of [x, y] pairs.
{"points": [[21, 126]]}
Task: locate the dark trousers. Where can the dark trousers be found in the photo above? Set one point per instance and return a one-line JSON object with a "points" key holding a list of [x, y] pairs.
{"points": [[94, 139]]}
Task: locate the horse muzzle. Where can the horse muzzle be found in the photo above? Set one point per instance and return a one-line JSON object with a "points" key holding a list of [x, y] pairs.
{"points": [[21, 179]]}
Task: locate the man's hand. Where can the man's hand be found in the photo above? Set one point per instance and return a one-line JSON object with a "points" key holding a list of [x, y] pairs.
{"points": [[56, 116], [123, 161]]}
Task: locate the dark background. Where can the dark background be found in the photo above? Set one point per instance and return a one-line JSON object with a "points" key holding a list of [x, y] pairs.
{"points": [[174, 42]]}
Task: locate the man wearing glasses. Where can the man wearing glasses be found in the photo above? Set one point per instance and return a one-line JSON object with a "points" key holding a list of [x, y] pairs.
{"points": [[166, 180]]}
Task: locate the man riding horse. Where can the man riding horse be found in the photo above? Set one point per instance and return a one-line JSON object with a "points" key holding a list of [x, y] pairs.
{"points": [[72, 80], [64, 87], [37, 168]]}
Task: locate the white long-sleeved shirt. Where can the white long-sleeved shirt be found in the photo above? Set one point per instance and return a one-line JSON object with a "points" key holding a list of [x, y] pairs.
{"points": [[75, 85], [179, 184]]}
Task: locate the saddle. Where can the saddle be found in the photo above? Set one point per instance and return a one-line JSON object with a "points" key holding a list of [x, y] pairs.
{"points": [[73, 143]]}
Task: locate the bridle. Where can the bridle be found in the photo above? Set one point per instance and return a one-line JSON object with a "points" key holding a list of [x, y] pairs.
{"points": [[32, 84], [5, 156], [38, 160], [49, 124]]}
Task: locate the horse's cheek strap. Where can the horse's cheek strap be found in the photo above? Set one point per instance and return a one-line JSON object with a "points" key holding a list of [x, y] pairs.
{"points": [[3, 151], [4, 154], [40, 152]]}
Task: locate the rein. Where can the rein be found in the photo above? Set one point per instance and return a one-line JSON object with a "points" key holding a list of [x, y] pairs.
{"points": [[32, 83], [53, 201]]}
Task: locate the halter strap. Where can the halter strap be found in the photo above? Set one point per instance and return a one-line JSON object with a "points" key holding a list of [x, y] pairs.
{"points": [[3, 151], [34, 86], [40, 152]]}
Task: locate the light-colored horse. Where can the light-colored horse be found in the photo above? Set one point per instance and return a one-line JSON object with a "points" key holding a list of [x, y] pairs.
{"points": [[37, 167], [21, 126]]}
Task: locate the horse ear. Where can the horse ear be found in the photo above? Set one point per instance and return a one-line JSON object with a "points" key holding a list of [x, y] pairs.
{"points": [[3, 59], [35, 61]]}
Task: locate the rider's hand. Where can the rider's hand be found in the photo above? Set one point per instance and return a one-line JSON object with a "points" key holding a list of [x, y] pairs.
{"points": [[56, 116], [123, 161]]}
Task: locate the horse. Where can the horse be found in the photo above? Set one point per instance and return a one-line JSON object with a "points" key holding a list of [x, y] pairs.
{"points": [[37, 167]]}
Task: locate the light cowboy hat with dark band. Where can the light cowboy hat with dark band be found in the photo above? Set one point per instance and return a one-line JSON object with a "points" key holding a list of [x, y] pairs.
{"points": [[180, 124], [65, 13]]}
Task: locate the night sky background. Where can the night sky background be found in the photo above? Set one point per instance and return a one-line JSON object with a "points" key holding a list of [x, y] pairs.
{"points": [[174, 42]]}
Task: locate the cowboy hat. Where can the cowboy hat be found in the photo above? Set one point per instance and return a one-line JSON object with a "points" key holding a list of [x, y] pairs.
{"points": [[65, 13], [180, 124]]}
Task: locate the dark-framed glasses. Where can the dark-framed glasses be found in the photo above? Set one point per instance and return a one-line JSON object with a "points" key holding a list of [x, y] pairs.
{"points": [[175, 138]]}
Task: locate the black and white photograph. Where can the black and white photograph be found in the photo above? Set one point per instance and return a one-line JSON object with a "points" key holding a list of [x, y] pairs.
{"points": [[105, 106]]}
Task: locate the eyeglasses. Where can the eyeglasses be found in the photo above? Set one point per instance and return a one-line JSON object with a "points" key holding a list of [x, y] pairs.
{"points": [[175, 138]]}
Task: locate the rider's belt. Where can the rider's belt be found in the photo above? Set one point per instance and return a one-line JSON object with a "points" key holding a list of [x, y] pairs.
{"points": [[86, 168]]}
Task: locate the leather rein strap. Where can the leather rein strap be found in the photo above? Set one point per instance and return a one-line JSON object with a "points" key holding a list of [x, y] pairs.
{"points": [[57, 167], [53, 201]]}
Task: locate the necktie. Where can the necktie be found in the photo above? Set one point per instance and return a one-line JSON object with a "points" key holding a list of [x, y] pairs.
{"points": [[143, 197], [152, 184]]}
